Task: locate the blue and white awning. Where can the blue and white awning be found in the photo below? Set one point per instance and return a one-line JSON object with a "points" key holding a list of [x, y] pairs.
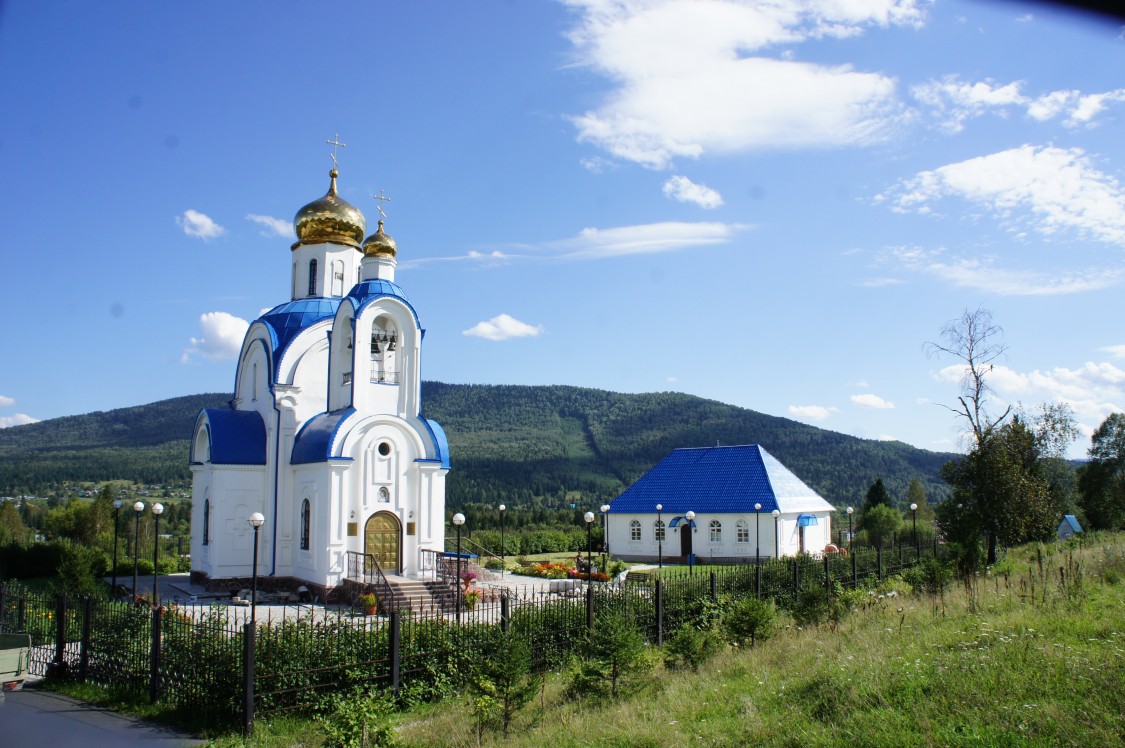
{"points": [[806, 520]]}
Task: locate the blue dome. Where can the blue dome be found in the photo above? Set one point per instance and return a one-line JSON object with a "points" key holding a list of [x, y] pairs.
{"points": [[365, 292], [287, 320]]}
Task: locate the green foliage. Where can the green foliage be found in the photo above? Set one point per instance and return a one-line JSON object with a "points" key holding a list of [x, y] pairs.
{"points": [[748, 620], [877, 496], [506, 683], [358, 719], [931, 576], [690, 647], [80, 569], [1102, 480], [615, 658], [12, 528], [880, 522]]}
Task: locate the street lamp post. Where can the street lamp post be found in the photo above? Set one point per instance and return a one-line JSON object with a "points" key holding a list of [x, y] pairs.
{"points": [[605, 536], [776, 533], [503, 510], [589, 517], [116, 511], [850, 510], [256, 520], [458, 520], [659, 538], [914, 518], [690, 521], [137, 509], [757, 533], [157, 510]]}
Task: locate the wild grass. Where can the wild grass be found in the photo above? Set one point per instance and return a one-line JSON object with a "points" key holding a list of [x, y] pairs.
{"points": [[1035, 656]]}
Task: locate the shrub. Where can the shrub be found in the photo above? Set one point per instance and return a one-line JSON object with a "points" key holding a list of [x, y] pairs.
{"points": [[691, 647], [494, 564], [749, 619], [470, 599], [616, 654], [930, 576], [506, 683], [357, 718]]}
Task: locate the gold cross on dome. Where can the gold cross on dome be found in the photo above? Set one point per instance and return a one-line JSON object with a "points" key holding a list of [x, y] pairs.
{"points": [[382, 198], [335, 143]]}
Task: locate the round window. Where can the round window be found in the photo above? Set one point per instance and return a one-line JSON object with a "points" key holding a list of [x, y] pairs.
{"points": [[384, 448]]}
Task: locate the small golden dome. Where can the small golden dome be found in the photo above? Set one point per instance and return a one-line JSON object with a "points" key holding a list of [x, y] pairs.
{"points": [[379, 244], [330, 219]]}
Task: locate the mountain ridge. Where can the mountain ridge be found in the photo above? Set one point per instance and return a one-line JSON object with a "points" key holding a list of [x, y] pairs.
{"points": [[546, 445]]}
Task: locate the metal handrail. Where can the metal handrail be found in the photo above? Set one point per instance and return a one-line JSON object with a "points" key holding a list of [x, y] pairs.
{"points": [[480, 549], [365, 569]]}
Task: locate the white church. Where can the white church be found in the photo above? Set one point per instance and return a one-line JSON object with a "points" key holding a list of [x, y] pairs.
{"points": [[325, 436]]}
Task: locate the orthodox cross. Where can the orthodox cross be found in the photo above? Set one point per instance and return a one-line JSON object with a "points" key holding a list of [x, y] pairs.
{"points": [[382, 198], [335, 143]]}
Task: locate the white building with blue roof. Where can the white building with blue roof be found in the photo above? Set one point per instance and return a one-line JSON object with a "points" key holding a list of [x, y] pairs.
{"points": [[325, 434], [718, 503]]}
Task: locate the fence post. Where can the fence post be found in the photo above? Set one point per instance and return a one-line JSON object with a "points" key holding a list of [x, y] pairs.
{"points": [[154, 658], [396, 651], [855, 572], [879, 561], [935, 546], [505, 613], [900, 553], [3, 591], [758, 579], [21, 614], [796, 575], [590, 605], [827, 577], [84, 658], [714, 588], [57, 667], [659, 613], [248, 678]]}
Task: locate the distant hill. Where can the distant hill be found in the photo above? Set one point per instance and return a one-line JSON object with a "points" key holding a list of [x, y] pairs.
{"points": [[544, 445]]}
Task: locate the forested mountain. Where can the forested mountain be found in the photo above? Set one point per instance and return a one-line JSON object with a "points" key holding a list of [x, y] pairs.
{"points": [[547, 445]]}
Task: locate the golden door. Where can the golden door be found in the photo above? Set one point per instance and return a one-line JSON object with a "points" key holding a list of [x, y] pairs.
{"points": [[380, 539]]}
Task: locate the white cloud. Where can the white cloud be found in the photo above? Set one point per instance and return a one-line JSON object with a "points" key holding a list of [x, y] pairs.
{"points": [[881, 282], [221, 338], [19, 419], [868, 400], [1079, 109], [6, 402], [1025, 18], [1049, 189], [671, 379], [646, 239], [1115, 351], [687, 191], [811, 412], [956, 100], [1093, 390], [503, 327], [199, 225], [983, 273], [273, 226], [694, 76], [887, 438]]}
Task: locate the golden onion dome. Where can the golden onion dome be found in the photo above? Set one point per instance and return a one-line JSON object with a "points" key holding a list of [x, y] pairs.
{"points": [[379, 244], [330, 219]]}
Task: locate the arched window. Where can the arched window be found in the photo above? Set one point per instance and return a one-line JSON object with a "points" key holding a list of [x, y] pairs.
{"points": [[206, 521], [659, 530], [635, 530], [743, 535], [716, 531], [338, 278], [312, 277], [306, 521]]}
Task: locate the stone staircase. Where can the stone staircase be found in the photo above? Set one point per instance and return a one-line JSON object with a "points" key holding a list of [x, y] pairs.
{"points": [[421, 595]]}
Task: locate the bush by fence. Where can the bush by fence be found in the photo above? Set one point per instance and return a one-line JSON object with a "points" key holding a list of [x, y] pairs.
{"points": [[210, 669]]}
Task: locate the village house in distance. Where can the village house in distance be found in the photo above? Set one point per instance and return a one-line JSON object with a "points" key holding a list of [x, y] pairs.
{"points": [[325, 436], [718, 503]]}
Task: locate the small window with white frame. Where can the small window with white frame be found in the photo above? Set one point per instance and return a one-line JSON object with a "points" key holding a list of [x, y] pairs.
{"points": [[716, 531], [658, 527], [635, 530], [743, 531]]}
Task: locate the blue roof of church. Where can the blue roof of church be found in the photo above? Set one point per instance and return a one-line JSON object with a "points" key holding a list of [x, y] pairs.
{"points": [[441, 443], [238, 437], [287, 320], [365, 292], [314, 440], [715, 480]]}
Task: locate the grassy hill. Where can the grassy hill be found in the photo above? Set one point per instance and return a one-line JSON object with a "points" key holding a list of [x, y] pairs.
{"points": [[546, 445]]}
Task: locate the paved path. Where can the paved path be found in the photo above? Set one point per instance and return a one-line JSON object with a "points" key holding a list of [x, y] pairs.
{"points": [[32, 717]]}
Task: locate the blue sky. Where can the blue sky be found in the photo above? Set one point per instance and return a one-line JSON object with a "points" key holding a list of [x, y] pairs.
{"points": [[772, 204]]}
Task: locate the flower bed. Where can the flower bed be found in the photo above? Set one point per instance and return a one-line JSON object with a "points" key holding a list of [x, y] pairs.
{"points": [[597, 576], [546, 570]]}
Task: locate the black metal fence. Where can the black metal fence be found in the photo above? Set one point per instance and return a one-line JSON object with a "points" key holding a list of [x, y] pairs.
{"points": [[213, 669]]}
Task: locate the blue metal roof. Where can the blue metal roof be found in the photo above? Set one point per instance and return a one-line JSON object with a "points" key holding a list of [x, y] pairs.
{"points": [[238, 437], [441, 443], [365, 292], [289, 319], [718, 480], [314, 440]]}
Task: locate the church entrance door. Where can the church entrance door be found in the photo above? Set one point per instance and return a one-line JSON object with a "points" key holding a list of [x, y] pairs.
{"points": [[381, 537], [685, 539]]}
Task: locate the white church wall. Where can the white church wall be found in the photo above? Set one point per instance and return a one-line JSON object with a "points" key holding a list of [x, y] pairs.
{"points": [[335, 272], [236, 492], [304, 369]]}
